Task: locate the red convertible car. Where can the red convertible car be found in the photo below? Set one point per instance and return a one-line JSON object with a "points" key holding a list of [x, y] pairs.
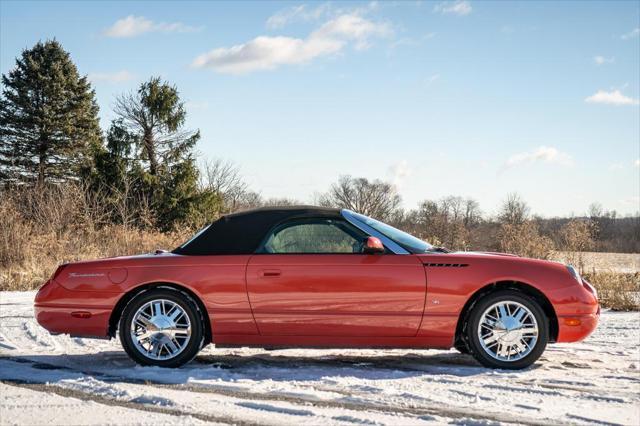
{"points": [[316, 277]]}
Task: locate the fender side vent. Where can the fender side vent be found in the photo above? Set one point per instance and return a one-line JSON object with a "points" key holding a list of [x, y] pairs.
{"points": [[447, 265]]}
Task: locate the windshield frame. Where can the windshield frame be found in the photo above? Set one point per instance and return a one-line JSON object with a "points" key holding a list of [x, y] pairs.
{"points": [[408, 243]]}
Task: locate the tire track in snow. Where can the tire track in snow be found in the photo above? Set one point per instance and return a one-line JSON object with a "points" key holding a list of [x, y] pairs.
{"points": [[409, 363], [425, 409], [85, 396]]}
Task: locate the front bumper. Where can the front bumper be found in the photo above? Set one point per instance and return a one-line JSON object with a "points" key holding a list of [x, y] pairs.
{"points": [[573, 327]]}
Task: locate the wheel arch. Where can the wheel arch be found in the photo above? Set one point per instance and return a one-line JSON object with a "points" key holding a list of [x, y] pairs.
{"points": [[523, 287], [116, 313]]}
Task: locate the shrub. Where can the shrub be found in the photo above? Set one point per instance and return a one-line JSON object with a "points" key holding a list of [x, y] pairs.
{"points": [[617, 291], [14, 234], [42, 228], [524, 239], [576, 237]]}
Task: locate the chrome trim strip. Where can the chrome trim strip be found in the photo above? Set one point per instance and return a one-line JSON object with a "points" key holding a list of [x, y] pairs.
{"points": [[386, 241]]}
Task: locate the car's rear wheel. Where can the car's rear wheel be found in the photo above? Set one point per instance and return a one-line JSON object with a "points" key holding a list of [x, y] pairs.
{"points": [[507, 329], [162, 327]]}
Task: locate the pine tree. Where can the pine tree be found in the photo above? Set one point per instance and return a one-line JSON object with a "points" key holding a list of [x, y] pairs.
{"points": [[48, 118], [153, 119], [156, 116], [183, 202], [114, 163]]}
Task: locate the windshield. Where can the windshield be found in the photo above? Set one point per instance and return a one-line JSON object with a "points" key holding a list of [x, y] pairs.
{"points": [[407, 241]]}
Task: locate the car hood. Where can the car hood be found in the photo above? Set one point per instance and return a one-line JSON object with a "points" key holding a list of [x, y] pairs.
{"points": [[488, 258], [484, 253]]}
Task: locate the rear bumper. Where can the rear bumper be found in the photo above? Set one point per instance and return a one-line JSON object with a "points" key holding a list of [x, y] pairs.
{"points": [[59, 320], [62, 311]]}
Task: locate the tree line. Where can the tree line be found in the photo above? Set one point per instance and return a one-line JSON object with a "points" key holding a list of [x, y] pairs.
{"points": [[144, 173]]}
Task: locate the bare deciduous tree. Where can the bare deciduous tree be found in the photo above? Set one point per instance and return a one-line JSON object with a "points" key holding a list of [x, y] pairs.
{"points": [[249, 200], [281, 201], [448, 221], [524, 239], [472, 213], [576, 237], [514, 210], [376, 198], [223, 178], [520, 235]]}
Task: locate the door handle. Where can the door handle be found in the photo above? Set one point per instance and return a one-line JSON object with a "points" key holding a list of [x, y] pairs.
{"points": [[270, 273]]}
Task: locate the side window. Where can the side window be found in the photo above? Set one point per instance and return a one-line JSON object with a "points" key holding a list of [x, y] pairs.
{"points": [[314, 236]]}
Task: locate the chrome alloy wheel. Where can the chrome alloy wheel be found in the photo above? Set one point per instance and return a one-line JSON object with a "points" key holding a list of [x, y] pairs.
{"points": [[160, 329], [508, 331]]}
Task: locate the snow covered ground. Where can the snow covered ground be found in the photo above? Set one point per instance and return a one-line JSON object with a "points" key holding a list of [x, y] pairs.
{"points": [[61, 380]]}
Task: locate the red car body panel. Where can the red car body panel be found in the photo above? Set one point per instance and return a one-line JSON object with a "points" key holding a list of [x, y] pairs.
{"points": [[343, 300], [337, 295]]}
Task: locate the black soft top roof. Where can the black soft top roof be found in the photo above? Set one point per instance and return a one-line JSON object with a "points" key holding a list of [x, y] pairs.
{"points": [[242, 232]]}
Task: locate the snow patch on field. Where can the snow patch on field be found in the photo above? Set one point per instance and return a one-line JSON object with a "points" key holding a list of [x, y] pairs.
{"points": [[62, 380]]}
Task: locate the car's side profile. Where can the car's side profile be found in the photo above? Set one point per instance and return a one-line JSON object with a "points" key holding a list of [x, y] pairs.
{"points": [[315, 277]]}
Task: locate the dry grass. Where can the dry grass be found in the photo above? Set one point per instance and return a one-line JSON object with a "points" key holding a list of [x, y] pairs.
{"points": [[591, 262], [41, 254], [524, 240], [616, 276], [617, 291], [39, 230]]}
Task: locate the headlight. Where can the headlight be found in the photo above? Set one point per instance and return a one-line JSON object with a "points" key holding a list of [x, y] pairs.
{"points": [[574, 274]]}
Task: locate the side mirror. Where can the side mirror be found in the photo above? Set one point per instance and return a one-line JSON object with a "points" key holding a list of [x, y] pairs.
{"points": [[372, 245]]}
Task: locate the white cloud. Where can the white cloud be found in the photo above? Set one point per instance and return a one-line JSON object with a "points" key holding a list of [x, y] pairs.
{"points": [[267, 53], [133, 26], [631, 34], [115, 77], [615, 97], [283, 17], [297, 14], [637, 163], [352, 27], [601, 60], [458, 7], [412, 41], [399, 172], [431, 79], [631, 201], [616, 166], [543, 154]]}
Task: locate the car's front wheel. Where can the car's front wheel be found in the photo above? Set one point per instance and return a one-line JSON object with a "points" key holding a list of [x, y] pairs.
{"points": [[507, 329], [162, 327]]}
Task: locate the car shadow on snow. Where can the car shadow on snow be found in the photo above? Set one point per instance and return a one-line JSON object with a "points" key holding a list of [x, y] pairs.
{"points": [[275, 366], [275, 359]]}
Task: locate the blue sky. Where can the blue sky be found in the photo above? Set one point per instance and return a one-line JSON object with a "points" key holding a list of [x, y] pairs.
{"points": [[466, 98]]}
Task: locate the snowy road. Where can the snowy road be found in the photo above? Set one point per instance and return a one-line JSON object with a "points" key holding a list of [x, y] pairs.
{"points": [[62, 380]]}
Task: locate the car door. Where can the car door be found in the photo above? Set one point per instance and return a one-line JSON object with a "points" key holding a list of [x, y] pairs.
{"points": [[312, 279]]}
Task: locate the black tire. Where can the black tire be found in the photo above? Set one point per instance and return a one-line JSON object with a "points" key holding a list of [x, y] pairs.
{"points": [[473, 323], [190, 308], [462, 347]]}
